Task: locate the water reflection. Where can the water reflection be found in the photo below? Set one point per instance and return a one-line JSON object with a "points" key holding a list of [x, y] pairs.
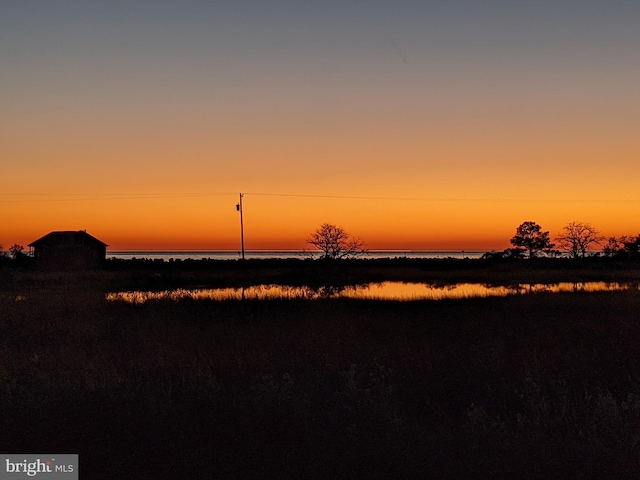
{"points": [[404, 291]]}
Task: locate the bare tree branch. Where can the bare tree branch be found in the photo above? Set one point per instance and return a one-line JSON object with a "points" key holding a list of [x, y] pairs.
{"points": [[334, 242], [578, 237]]}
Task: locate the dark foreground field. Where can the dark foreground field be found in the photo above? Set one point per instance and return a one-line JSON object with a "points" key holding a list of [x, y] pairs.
{"points": [[538, 386]]}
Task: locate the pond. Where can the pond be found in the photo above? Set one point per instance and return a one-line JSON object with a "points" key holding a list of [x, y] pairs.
{"points": [[403, 291]]}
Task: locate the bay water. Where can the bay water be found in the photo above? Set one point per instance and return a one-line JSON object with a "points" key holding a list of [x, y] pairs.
{"points": [[166, 255]]}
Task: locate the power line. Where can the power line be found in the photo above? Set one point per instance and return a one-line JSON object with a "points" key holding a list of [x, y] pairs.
{"points": [[73, 197], [67, 194], [447, 199]]}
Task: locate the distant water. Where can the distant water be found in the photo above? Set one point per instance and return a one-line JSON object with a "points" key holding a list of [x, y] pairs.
{"points": [[265, 254]]}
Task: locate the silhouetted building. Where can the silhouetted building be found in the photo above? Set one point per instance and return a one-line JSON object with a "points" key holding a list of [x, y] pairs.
{"points": [[68, 250]]}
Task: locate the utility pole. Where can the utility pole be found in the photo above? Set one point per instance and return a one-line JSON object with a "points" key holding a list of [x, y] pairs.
{"points": [[239, 209]]}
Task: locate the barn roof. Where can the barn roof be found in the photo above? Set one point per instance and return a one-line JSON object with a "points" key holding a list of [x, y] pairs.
{"points": [[59, 237]]}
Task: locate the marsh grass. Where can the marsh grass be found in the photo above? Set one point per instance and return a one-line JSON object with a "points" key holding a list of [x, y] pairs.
{"points": [[398, 291], [525, 386], [119, 275], [534, 386], [250, 293]]}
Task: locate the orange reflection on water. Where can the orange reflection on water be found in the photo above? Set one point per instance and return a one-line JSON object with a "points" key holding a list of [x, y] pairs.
{"points": [[404, 291], [422, 291]]}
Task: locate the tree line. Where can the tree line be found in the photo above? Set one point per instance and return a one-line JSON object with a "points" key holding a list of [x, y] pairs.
{"points": [[577, 240]]}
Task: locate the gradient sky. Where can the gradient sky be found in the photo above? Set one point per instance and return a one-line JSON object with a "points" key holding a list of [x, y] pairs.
{"points": [[412, 124]]}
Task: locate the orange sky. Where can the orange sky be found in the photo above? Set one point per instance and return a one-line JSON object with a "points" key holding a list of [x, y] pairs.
{"points": [[438, 128]]}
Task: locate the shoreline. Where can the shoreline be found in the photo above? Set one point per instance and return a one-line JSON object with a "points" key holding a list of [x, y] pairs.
{"points": [[121, 274]]}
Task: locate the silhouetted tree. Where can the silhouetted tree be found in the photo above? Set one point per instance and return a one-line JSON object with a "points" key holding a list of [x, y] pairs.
{"points": [[613, 247], [632, 245], [334, 242], [530, 236], [577, 238], [628, 246], [17, 251]]}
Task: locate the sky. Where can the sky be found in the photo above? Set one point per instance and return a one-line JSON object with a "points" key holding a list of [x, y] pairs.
{"points": [[412, 124]]}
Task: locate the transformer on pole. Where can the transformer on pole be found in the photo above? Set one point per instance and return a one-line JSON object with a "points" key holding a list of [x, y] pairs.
{"points": [[239, 209]]}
